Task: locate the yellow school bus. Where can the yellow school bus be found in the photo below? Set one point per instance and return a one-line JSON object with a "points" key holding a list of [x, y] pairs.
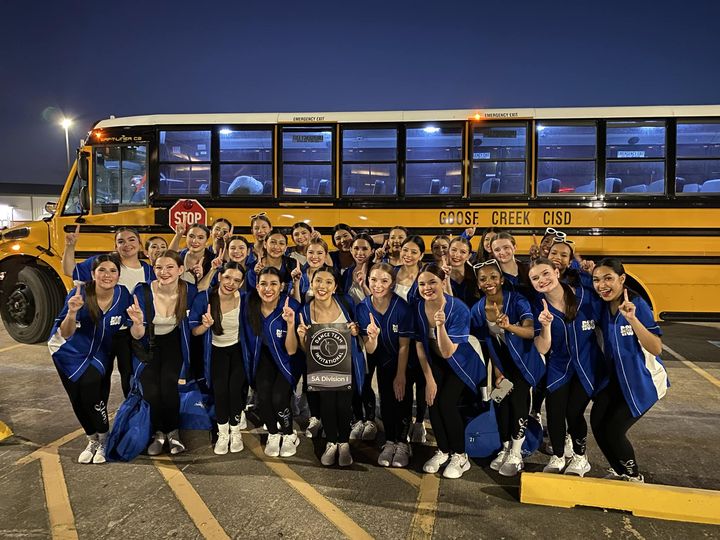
{"points": [[640, 183]]}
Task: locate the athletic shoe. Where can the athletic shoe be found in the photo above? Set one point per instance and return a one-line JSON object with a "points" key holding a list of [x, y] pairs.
{"points": [[612, 475], [236, 442], [344, 457], [459, 463], [402, 455], [289, 445], [156, 447], [330, 454], [555, 465], [223, 440], [512, 465], [386, 454], [242, 423], [639, 478], [569, 452], [356, 432], [174, 442], [496, 463], [433, 464], [99, 456], [272, 446], [314, 427], [418, 433], [369, 431], [578, 465], [87, 455]]}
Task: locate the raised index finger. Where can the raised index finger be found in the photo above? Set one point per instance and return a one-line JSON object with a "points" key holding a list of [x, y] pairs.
{"points": [[77, 229], [626, 295], [535, 242], [287, 301], [372, 320], [545, 306], [77, 290], [302, 320]]}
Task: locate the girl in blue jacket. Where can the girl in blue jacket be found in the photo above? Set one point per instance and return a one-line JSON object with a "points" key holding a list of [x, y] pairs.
{"points": [[218, 310], [565, 334], [637, 376], [80, 345], [274, 368]]}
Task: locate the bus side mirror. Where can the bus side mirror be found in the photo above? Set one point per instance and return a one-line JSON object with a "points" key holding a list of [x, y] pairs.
{"points": [[51, 207], [84, 199], [82, 166]]}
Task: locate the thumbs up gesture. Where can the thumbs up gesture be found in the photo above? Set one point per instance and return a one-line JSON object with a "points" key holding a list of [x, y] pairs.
{"points": [[439, 316], [76, 302], [288, 314], [207, 319], [373, 330], [627, 308], [545, 317], [135, 312]]}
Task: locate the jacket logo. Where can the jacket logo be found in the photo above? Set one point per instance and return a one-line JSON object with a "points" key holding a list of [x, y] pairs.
{"points": [[115, 320], [588, 325], [395, 328], [626, 330], [279, 333]]}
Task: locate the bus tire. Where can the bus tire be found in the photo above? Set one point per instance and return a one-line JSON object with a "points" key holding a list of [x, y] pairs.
{"points": [[30, 305]]}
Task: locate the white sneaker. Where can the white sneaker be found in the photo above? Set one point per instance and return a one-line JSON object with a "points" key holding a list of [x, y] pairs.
{"points": [[402, 455], [555, 465], [418, 433], [272, 446], [386, 455], [513, 464], [612, 475], [289, 445], [569, 452], [578, 465], [314, 427], [344, 457], [174, 442], [459, 463], [87, 455], [639, 478], [356, 432], [236, 442], [242, 422], [369, 431], [99, 456], [156, 447], [223, 440], [433, 464], [496, 463], [328, 457]]}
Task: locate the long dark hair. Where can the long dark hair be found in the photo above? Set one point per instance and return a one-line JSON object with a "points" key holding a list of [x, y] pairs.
{"points": [[254, 302], [469, 280], [481, 255], [571, 305], [90, 291], [214, 296], [433, 268], [420, 243], [617, 266], [181, 306]]}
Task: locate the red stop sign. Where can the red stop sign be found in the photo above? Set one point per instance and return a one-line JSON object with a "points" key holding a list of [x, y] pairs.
{"points": [[187, 211]]}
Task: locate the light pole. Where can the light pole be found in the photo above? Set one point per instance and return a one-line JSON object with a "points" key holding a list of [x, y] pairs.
{"points": [[66, 123]]}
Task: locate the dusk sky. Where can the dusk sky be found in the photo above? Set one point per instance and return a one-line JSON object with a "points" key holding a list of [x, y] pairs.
{"points": [[89, 60]]}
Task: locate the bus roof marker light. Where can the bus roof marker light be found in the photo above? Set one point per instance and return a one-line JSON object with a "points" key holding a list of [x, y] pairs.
{"points": [[225, 131], [477, 116], [431, 129]]}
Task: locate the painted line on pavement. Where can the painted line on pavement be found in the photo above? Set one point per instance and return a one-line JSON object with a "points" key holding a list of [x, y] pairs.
{"points": [[50, 447], [692, 365], [423, 521], [57, 499], [11, 347]]}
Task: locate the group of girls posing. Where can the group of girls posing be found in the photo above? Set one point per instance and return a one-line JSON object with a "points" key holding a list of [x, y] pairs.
{"points": [[236, 314]]}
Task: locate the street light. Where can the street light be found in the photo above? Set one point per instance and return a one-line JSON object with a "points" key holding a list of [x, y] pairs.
{"points": [[66, 123]]}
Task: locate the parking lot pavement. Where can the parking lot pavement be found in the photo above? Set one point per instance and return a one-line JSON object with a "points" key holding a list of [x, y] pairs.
{"points": [[198, 494]]}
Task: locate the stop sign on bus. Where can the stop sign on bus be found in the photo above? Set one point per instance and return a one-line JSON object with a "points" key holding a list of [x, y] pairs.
{"points": [[187, 211]]}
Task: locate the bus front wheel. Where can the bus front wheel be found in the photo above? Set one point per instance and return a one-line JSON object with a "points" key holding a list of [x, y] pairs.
{"points": [[30, 304]]}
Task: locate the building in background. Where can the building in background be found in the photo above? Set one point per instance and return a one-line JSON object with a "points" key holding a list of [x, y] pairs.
{"points": [[22, 202]]}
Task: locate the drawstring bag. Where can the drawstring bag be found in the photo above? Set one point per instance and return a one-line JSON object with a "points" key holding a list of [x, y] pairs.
{"points": [[195, 407], [533, 437], [132, 429], [481, 434]]}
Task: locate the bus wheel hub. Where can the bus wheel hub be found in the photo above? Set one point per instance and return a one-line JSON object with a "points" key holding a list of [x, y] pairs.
{"points": [[21, 304]]}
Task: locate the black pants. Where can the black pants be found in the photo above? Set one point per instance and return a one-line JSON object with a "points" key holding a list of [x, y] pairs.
{"points": [[313, 398], [363, 405], [416, 377], [566, 407], [611, 419], [447, 422], [273, 395], [88, 400], [336, 414], [122, 351], [228, 379], [160, 382], [396, 414], [538, 394], [512, 413]]}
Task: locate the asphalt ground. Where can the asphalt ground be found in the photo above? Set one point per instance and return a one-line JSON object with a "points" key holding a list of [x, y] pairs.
{"points": [[45, 493]]}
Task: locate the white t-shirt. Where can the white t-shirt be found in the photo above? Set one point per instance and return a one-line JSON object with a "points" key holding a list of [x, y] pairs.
{"points": [[231, 328], [130, 277]]}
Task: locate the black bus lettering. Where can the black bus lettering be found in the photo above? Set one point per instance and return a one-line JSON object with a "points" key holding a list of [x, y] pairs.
{"points": [[510, 217], [460, 217], [557, 217]]}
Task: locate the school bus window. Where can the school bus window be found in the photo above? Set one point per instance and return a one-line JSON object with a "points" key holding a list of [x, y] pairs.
{"points": [[566, 157], [185, 163], [696, 172], [369, 162], [433, 161], [246, 162], [498, 157], [72, 205], [120, 177], [307, 162], [635, 157]]}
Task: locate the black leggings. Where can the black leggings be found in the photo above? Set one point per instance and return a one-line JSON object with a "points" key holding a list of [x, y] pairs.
{"points": [[273, 395], [415, 376], [160, 382], [88, 400], [447, 422], [566, 407], [513, 411], [228, 379], [122, 351], [611, 419], [363, 405], [313, 398], [336, 414], [396, 414]]}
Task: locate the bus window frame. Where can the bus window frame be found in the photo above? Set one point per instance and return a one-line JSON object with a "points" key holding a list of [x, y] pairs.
{"points": [[217, 163], [691, 120], [280, 163], [529, 126], [213, 129], [399, 159]]}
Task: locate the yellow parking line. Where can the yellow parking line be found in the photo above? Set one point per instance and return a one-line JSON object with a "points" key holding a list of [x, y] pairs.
{"points": [[11, 347], [423, 522], [331, 512], [692, 365], [196, 508], [60, 514], [53, 446]]}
